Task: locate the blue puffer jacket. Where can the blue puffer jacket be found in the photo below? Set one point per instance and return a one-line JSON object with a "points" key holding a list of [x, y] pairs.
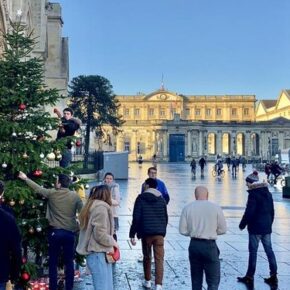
{"points": [[259, 213]]}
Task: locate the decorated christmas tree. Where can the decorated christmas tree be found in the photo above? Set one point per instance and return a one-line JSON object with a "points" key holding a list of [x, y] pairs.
{"points": [[26, 144]]}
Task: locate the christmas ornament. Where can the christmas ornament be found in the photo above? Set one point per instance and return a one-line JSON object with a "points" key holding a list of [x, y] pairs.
{"points": [[22, 107], [37, 173], [4, 165], [25, 276], [87, 186], [41, 155], [31, 230], [12, 202], [50, 156], [78, 143], [25, 156], [38, 228], [72, 173], [41, 204], [21, 201], [14, 134], [24, 260], [24, 222], [58, 157], [57, 152]]}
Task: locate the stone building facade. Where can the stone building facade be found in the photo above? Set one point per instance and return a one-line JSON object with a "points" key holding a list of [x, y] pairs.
{"points": [[178, 127], [45, 21]]}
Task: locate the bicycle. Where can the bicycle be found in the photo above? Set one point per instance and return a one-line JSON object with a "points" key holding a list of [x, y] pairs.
{"points": [[280, 179], [215, 172]]}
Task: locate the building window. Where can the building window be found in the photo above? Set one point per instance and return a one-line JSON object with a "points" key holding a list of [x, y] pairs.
{"points": [[218, 112], [234, 112], [151, 112], [246, 111], [137, 112], [126, 112], [187, 112], [208, 112], [197, 112], [127, 146], [162, 113]]}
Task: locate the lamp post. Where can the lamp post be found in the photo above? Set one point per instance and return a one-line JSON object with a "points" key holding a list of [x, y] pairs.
{"points": [[269, 148]]}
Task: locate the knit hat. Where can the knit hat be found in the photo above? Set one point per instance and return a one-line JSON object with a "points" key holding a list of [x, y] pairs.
{"points": [[253, 177]]}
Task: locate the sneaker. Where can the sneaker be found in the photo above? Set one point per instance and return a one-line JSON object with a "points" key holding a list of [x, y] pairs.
{"points": [[158, 287], [272, 280], [246, 280], [146, 284]]}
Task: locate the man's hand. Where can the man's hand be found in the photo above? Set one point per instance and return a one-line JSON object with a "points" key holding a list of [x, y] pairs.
{"points": [[133, 241], [22, 175], [57, 112]]}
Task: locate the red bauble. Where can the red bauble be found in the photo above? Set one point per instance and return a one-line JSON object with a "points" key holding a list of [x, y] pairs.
{"points": [[78, 143], [37, 172], [25, 276], [24, 260], [22, 107]]}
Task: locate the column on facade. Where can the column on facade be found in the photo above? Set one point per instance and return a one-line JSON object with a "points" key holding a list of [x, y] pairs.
{"points": [[233, 143], [247, 143], [120, 143], [201, 136], [219, 142], [189, 143], [134, 144], [281, 140], [153, 140], [165, 144]]}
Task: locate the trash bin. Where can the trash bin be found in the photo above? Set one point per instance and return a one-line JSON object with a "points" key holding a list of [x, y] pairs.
{"points": [[286, 188]]}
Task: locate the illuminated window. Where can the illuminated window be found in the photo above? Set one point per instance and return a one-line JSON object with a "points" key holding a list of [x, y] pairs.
{"points": [[151, 112], [234, 112], [197, 112], [137, 112], [218, 112], [246, 111], [162, 113], [208, 112]]}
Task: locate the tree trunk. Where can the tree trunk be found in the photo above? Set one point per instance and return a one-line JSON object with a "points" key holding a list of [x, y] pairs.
{"points": [[88, 130]]}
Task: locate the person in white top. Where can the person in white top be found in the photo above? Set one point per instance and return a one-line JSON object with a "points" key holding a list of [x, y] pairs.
{"points": [[203, 221]]}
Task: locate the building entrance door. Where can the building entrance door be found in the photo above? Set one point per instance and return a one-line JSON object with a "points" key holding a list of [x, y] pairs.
{"points": [[176, 147]]}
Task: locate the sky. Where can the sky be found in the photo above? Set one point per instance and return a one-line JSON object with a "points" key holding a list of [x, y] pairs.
{"points": [[198, 47]]}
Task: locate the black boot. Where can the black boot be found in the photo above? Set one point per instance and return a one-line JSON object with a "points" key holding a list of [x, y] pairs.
{"points": [[272, 280], [246, 280]]}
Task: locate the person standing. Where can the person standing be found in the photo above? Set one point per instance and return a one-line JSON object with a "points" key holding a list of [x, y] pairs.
{"points": [[258, 218], [115, 196], [62, 208], [152, 173], [96, 236], [149, 224], [202, 221], [10, 249], [202, 163], [68, 127]]}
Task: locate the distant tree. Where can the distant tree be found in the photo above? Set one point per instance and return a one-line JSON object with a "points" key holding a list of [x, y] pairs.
{"points": [[93, 101]]}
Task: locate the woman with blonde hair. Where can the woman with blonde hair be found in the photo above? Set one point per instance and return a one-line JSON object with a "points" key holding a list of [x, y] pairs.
{"points": [[96, 236]]}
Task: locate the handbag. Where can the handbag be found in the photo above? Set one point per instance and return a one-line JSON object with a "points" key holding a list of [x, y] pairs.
{"points": [[113, 257]]}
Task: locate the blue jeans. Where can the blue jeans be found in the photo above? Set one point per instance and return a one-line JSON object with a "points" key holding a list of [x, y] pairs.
{"points": [[3, 286], [253, 248], [61, 240], [66, 158], [204, 257], [101, 271]]}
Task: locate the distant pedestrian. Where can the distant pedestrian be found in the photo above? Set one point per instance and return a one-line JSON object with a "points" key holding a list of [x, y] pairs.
{"points": [[10, 249], [202, 163], [96, 236], [152, 173], [258, 218], [62, 207], [149, 224], [202, 221], [154, 160], [193, 167], [228, 162], [234, 166], [115, 196]]}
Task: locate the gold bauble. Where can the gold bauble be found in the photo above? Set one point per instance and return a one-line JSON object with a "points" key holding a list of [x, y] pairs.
{"points": [[50, 156], [12, 202]]}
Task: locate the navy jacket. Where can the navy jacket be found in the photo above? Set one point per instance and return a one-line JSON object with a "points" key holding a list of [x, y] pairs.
{"points": [[149, 215], [10, 248], [259, 213]]}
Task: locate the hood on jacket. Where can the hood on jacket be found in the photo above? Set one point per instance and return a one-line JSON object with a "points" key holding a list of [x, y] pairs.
{"points": [[151, 194], [98, 203]]}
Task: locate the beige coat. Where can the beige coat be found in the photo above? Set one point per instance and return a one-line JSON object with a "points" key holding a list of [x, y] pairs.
{"points": [[98, 235]]}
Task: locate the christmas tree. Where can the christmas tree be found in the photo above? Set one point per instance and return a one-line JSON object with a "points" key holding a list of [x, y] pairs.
{"points": [[26, 144]]}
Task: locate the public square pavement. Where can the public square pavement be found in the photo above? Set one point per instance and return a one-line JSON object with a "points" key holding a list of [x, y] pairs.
{"points": [[231, 194]]}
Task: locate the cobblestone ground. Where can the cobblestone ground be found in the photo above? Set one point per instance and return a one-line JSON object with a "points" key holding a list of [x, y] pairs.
{"points": [[231, 194]]}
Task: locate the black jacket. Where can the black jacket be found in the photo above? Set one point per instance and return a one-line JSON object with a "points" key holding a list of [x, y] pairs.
{"points": [[259, 213], [70, 126], [149, 215], [10, 248]]}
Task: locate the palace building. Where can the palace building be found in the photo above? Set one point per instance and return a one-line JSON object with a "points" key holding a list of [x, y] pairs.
{"points": [[177, 127]]}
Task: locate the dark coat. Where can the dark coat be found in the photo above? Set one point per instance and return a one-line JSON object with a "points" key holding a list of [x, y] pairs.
{"points": [[259, 213], [149, 215], [10, 248]]}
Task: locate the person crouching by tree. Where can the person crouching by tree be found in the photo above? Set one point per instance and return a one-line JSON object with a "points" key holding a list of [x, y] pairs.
{"points": [[96, 236], [115, 196], [68, 127]]}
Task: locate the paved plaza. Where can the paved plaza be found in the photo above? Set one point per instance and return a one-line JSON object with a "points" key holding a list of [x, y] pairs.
{"points": [[231, 194]]}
